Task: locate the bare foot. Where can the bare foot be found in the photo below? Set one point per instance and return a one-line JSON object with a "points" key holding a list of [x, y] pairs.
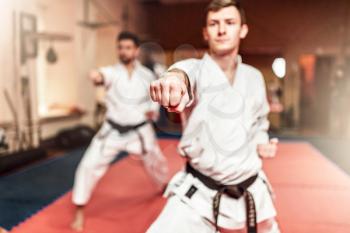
{"points": [[78, 221]]}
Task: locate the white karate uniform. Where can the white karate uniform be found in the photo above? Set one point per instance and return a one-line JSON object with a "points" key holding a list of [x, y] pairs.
{"points": [[220, 141], [127, 101]]}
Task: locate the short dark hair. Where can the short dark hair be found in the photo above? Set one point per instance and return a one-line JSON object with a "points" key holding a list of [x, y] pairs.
{"points": [[125, 35], [216, 5]]}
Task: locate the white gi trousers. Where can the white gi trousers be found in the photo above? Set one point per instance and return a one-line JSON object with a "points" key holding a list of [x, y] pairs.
{"points": [[192, 215], [104, 148]]}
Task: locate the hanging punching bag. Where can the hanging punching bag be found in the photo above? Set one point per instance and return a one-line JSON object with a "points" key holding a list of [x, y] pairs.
{"points": [[51, 56]]}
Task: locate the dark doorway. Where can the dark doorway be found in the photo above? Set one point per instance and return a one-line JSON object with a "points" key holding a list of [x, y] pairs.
{"points": [[316, 91]]}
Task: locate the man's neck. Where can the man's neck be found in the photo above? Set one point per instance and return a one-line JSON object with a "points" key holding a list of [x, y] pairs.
{"points": [[227, 62], [130, 67]]}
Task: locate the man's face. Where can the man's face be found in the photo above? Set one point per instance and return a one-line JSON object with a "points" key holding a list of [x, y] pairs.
{"points": [[224, 30], [127, 51]]}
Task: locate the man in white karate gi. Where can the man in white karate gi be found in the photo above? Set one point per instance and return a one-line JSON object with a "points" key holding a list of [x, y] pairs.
{"points": [[223, 187], [127, 126]]}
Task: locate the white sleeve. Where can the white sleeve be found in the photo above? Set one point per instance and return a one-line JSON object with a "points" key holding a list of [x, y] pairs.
{"points": [[262, 123], [192, 69], [108, 73]]}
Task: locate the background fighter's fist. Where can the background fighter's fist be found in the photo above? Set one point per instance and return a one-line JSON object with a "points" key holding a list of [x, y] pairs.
{"points": [[171, 91], [96, 77], [268, 150]]}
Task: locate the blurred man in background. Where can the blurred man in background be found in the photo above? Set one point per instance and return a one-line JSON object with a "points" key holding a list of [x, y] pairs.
{"points": [[126, 128]]}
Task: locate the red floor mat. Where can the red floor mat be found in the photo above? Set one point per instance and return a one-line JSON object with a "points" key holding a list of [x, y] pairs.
{"points": [[312, 193], [312, 196]]}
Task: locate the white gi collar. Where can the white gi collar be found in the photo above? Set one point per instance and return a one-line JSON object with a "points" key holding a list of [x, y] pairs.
{"points": [[207, 56], [209, 60], [136, 68]]}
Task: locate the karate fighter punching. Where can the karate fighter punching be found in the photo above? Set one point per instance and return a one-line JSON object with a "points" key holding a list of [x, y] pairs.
{"points": [[222, 187], [127, 126]]}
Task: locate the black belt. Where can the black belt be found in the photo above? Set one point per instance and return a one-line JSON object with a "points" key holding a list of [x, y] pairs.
{"points": [[122, 129], [234, 191], [125, 128]]}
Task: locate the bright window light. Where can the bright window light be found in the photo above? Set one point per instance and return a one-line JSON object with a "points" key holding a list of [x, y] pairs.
{"points": [[279, 67]]}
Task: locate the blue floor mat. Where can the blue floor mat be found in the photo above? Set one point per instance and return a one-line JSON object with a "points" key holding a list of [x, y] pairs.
{"points": [[25, 192]]}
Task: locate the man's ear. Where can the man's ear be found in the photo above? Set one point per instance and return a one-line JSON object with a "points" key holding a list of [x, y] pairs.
{"points": [[244, 31], [205, 33]]}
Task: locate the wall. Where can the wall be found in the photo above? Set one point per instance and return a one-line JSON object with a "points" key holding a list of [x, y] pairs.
{"points": [[64, 83]]}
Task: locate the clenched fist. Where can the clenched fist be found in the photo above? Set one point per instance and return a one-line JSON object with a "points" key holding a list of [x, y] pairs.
{"points": [[96, 77], [171, 91], [268, 150]]}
